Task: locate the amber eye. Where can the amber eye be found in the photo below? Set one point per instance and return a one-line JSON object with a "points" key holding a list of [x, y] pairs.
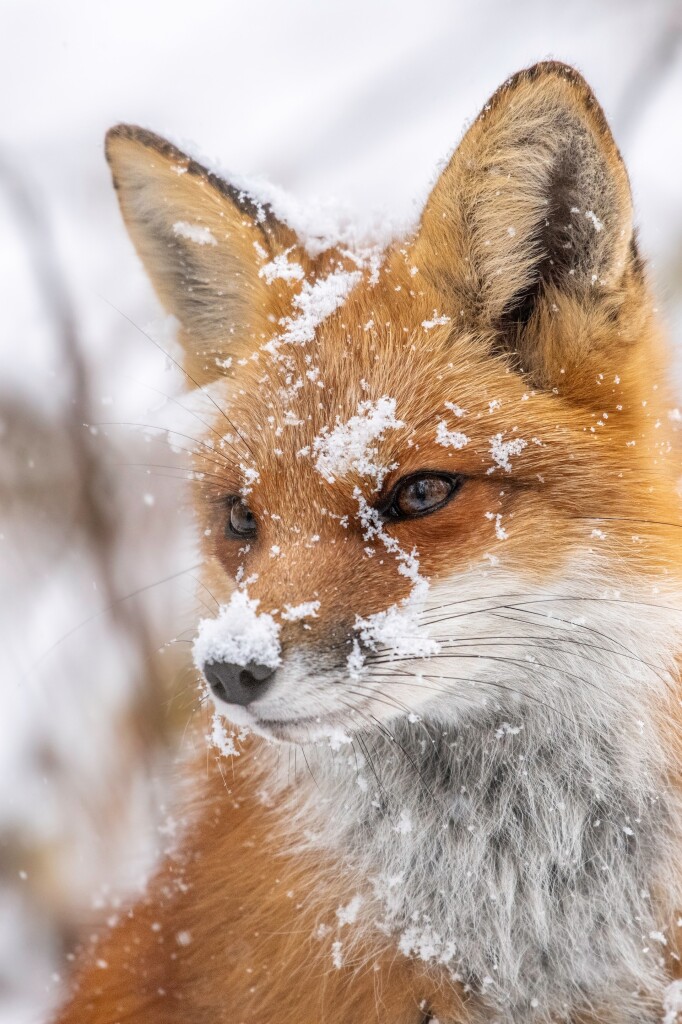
{"points": [[241, 520], [419, 495]]}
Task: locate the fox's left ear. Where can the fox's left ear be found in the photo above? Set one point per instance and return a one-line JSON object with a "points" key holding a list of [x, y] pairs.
{"points": [[533, 214], [202, 242]]}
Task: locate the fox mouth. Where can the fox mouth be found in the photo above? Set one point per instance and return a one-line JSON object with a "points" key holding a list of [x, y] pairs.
{"points": [[306, 729], [332, 727]]}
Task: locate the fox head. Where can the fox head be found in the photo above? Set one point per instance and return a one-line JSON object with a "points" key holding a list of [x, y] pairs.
{"points": [[401, 453]]}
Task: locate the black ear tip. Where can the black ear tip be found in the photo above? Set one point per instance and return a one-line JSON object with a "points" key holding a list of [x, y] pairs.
{"points": [[556, 68], [132, 133], [120, 132], [547, 71]]}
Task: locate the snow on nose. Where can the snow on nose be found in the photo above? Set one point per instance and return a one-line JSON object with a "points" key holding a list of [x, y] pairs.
{"points": [[239, 635]]}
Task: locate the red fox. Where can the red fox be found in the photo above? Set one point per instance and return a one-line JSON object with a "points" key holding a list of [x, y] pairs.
{"points": [[437, 497]]}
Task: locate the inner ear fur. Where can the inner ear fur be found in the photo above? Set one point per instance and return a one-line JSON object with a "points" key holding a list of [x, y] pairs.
{"points": [[532, 211], [202, 242]]}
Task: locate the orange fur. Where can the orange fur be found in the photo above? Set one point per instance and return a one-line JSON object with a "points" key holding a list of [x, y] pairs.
{"points": [[249, 916]]}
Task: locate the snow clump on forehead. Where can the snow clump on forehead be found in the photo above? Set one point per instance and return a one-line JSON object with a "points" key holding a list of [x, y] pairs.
{"points": [[348, 446], [315, 302]]}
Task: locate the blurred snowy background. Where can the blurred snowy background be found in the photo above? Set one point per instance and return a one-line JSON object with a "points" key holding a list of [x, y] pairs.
{"points": [[349, 106]]}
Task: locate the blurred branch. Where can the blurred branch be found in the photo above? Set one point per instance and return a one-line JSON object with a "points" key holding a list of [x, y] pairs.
{"points": [[67, 519], [95, 487]]}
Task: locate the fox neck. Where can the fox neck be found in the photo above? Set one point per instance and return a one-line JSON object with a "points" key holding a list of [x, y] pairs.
{"points": [[529, 850]]}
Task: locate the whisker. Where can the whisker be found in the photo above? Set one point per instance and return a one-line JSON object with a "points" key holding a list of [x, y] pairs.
{"points": [[407, 755], [182, 370], [223, 464], [103, 611], [557, 622], [569, 599], [521, 607], [475, 682], [310, 771], [175, 401], [468, 600], [631, 519], [203, 585], [370, 762], [531, 666], [190, 475], [546, 643]]}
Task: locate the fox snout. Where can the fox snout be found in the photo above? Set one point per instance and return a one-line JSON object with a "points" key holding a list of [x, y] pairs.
{"points": [[238, 684], [238, 651]]}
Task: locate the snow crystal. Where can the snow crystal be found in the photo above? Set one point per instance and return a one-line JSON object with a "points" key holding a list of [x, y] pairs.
{"points": [[197, 233], [315, 302], [397, 628], [456, 409], [500, 531], [281, 268], [501, 450], [305, 610], [405, 824], [450, 438], [224, 741], [594, 219], [291, 419], [337, 954], [672, 1002], [336, 737], [348, 446], [238, 634], [349, 913], [251, 477], [355, 659], [506, 729], [436, 322], [424, 942]]}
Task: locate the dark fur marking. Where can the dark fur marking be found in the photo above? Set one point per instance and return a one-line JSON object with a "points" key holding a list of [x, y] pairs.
{"points": [[261, 213]]}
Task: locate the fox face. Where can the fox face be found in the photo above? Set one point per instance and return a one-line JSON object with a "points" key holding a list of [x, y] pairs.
{"points": [[409, 459]]}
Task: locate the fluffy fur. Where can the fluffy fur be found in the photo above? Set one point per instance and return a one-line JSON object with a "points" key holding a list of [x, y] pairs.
{"points": [[516, 834], [486, 697]]}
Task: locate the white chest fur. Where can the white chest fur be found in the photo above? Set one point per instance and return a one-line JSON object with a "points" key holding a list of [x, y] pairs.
{"points": [[521, 843]]}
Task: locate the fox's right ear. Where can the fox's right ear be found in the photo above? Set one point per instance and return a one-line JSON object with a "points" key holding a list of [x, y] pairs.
{"points": [[529, 227], [202, 242]]}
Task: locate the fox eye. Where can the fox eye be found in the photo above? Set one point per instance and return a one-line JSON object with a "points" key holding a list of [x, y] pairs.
{"points": [[419, 495], [241, 521]]}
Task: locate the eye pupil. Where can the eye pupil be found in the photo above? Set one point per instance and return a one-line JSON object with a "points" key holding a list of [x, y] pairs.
{"points": [[417, 496], [241, 521]]}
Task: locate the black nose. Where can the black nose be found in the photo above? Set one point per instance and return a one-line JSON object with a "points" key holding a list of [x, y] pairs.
{"points": [[238, 684]]}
